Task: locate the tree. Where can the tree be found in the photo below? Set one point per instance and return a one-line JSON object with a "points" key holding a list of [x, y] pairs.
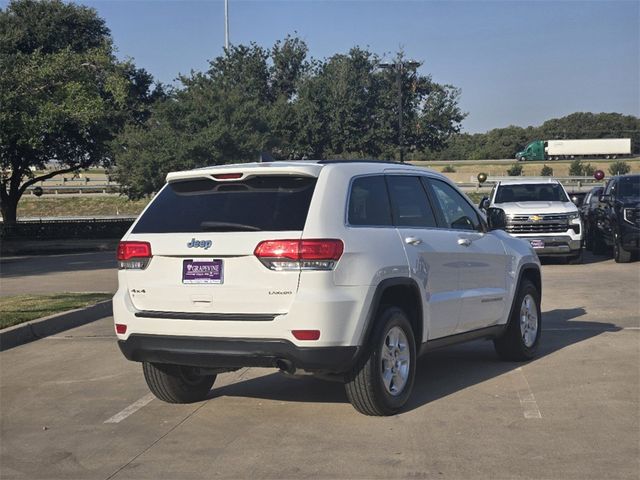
{"points": [[221, 116], [619, 168], [575, 168], [515, 170], [579, 169], [253, 99], [546, 171], [64, 96]]}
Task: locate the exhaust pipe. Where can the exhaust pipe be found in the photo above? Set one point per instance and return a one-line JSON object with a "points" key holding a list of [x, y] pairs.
{"points": [[285, 366]]}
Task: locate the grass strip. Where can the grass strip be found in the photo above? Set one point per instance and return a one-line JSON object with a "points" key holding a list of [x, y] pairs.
{"points": [[22, 308]]}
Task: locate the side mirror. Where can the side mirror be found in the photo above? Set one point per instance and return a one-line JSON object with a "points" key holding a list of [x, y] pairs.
{"points": [[605, 198], [484, 204], [496, 218], [575, 200]]}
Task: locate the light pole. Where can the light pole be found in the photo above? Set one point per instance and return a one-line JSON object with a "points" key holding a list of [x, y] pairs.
{"points": [[226, 24], [400, 67]]}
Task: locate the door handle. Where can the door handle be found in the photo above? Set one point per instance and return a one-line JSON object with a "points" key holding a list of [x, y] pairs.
{"points": [[465, 242], [412, 241]]}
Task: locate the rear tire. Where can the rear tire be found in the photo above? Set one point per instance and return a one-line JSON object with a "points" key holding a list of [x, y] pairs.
{"points": [[620, 255], [176, 384], [381, 381], [520, 340]]}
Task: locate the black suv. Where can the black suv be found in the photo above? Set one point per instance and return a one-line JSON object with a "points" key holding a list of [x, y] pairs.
{"points": [[618, 218]]}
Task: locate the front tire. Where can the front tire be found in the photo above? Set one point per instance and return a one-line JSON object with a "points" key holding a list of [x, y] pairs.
{"points": [[620, 255], [520, 340], [381, 381], [175, 383]]}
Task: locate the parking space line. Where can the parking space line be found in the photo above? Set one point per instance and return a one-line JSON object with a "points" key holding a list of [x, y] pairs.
{"points": [[131, 409], [527, 399], [571, 329]]}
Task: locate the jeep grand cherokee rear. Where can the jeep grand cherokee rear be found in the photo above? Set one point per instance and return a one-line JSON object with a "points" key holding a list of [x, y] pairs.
{"points": [[345, 269]]}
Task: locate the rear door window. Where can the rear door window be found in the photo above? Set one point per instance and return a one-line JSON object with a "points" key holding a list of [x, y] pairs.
{"points": [[409, 201], [263, 203]]}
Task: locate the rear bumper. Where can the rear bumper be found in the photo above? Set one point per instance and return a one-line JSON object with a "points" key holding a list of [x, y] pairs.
{"points": [[208, 352]]}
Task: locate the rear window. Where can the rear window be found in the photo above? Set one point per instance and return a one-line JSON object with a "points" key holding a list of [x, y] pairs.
{"points": [[532, 192], [267, 203]]}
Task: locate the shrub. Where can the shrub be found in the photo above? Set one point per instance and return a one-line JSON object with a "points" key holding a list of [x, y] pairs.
{"points": [[515, 170], [546, 171], [575, 168], [588, 170], [579, 169], [449, 169], [619, 168]]}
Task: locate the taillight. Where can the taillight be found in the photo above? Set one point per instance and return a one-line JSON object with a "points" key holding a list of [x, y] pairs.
{"points": [[134, 255], [314, 254], [306, 334]]}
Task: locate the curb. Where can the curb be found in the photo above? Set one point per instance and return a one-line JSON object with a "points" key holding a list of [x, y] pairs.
{"points": [[44, 327]]}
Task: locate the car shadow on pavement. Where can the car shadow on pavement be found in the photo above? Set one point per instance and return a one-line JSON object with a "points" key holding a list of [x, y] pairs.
{"points": [[46, 264], [587, 259], [440, 373]]}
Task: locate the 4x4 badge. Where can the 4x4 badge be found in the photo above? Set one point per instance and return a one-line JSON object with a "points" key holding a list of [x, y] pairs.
{"points": [[206, 244]]}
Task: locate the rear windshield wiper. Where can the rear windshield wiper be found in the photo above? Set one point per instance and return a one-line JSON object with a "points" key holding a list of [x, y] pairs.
{"points": [[227, 227]]}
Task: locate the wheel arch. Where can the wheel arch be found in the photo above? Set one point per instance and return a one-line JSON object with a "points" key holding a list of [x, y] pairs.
{"points": [[531, 272], [402, 292]]}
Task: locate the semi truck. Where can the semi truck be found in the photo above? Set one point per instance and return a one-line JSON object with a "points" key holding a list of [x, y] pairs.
{"points": [[570, 149]]}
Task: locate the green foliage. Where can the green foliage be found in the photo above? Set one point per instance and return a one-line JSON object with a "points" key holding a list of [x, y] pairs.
{"points": [[64, 95], [252, 99], [588, 170], [505, 142], [619, 168], [546, 171], [579, 169], [515, 170], [449, 169], [22, 308]]}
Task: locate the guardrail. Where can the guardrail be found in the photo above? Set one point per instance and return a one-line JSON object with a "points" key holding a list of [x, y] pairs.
{"points": [[579, 183], [80, 188]]}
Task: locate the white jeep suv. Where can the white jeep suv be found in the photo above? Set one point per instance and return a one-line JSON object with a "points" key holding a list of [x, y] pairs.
{"points": [[346, 269]]}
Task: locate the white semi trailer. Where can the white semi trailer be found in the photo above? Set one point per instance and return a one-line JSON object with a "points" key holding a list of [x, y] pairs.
{"points": [[560, 149]]}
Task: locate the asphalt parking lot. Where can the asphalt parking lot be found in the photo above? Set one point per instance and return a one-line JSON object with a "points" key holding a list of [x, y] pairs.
{"points": [[42, 274], [73, 407]]}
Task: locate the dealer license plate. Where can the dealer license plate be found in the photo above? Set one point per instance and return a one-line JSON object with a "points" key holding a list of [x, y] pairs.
{"points": [[202, 270], [537, 243]]}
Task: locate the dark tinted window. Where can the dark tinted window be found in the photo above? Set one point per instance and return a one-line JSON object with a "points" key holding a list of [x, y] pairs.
{"points": [[532, 192], [409, 202], [628, 187], [595, 196], [267, 203], [456, 211], [369, 202]]}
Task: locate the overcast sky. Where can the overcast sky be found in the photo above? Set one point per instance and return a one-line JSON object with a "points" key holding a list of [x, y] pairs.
{"points": [[516, 62]]}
